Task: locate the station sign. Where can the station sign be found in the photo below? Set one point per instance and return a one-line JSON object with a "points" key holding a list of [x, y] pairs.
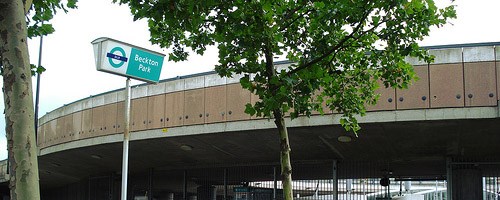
{"points": [[127, 60]]}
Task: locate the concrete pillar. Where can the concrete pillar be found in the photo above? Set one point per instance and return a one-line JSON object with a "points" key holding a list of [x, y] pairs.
{"points": [[467, 184]]}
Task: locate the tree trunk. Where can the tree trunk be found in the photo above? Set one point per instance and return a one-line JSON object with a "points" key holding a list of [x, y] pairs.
{"points": [[18, 100], [279, 120], [286, 166]]}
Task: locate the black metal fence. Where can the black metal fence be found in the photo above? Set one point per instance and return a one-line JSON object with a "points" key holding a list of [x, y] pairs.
{"points": [[313, 180]]}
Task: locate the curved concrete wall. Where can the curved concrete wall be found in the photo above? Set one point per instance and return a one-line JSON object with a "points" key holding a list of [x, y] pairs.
{"points": [[465, 76]]}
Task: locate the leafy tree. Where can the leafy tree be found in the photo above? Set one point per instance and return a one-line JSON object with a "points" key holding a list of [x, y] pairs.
{"points": [[18, 95], [340, 50]]}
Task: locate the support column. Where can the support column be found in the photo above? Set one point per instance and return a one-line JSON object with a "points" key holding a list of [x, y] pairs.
{"points": [[467, 184]]}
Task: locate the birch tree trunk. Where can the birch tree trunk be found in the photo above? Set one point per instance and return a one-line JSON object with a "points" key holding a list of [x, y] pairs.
{"points": [[18, 100]]}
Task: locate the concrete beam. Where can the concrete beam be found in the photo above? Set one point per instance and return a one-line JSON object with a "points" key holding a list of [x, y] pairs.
{"points": [[194, 83], [174, 86], [261, 124], [444, 56], [156, 89], [479, 54]]}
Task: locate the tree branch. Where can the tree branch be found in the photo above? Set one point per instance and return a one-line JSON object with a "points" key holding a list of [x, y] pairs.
{"points": [[289, 15], [294, 20], [338, 46]]}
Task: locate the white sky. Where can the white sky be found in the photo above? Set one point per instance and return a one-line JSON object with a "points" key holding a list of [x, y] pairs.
{"points": [[71, 73]]}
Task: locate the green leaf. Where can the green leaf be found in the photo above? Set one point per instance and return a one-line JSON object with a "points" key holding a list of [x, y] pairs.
{"points": [[36, 69], [267, 7], [319, 5], [249, 109], [375, 19], [72, 4], [47, 29], [245, 82], [40, 70]]}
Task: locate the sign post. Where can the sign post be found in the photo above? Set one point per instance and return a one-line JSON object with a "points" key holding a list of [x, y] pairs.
{"points": [[126, 139], [127, 60]]}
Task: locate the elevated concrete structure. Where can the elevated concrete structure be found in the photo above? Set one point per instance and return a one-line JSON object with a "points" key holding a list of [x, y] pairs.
{"points": [[196, 121]]}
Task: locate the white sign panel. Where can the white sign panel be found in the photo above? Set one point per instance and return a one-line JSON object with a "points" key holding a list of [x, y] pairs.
{"points": [[127, 60]]}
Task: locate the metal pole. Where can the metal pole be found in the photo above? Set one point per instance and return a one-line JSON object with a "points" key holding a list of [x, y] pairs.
{"points": [[111, 186], [275, 186], [449, 179], [90, 188], [126, 138], [496, 188], [184, 187], [400, 188], [436, 191], [225, 184], [150, 184], [484, 188], [335, 180], [37, 98]]}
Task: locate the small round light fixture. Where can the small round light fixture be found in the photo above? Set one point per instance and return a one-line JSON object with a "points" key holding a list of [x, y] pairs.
{"points": [[186, 147], [344, 138]]}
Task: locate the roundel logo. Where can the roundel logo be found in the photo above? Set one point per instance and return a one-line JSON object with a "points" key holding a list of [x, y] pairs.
{"points": [[115, 59]]}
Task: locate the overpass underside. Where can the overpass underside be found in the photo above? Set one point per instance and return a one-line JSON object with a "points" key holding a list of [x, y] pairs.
{"points": [[412, 148]]}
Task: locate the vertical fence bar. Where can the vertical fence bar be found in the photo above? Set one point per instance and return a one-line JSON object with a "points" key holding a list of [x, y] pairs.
{"points": [[449, 181], [184, 187], [496, 187], [335, 182], [150, 184], [485, 189], [90, 188], [275, 186], [111, 186], [436, 190], [225, 183]]}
